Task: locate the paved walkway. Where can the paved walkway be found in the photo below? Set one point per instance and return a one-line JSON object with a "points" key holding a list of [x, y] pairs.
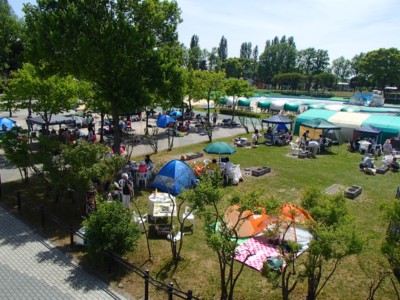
{"points": [[32, 268], [10, 173]]}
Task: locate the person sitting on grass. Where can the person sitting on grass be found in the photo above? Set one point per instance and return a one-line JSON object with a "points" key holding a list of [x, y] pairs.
{"points": [[212, 166], [395, 165]]}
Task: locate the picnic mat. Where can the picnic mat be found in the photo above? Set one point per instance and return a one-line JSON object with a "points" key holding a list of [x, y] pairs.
{"points": [[255, 251]]}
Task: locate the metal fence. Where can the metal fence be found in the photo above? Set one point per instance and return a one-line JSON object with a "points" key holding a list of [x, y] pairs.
{"points": [[147, 279]]}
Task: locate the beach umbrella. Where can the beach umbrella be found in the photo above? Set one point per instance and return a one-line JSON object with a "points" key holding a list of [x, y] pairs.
{"points": [[294, 214], [164, 120], [7, 123], [219, 148]]}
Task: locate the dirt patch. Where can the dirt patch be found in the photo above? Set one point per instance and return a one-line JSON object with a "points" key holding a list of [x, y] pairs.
{"points": [[333, 189]]}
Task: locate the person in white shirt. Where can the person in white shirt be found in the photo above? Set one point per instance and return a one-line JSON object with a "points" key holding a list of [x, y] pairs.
{"points": [[255, 137], [313, 146], [227, 170], [387, 147], [126, 188]]}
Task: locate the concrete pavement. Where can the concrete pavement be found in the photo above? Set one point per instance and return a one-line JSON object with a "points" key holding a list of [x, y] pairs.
{"points": [[32, 268], [10, 173]]}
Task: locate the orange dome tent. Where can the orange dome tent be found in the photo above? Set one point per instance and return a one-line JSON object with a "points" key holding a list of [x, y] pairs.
{"points": [[249, 224], [294, 214]]}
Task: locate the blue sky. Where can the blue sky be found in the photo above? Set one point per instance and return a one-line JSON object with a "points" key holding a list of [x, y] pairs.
{"points": [[343, 27]]}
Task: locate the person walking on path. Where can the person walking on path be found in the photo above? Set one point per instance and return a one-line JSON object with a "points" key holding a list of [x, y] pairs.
{"points": [[215, 117]]}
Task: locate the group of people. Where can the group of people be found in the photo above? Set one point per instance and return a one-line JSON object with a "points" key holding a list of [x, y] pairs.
{"points": [[278, 137], [124, 188], [313, 145], [226, 169]]}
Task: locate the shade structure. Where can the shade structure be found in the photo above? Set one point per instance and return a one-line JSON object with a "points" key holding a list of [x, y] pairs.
{"points": [[7, 123], [319, 123], [246, 223], [367, 130], [277, 119], [174, 177], [319, 127], [219, 148], [164, 120], [281, 127], [54, 120]]}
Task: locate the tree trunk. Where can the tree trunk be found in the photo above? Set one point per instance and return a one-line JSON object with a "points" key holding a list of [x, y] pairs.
{"points": [[101, 127], [117, 133]]}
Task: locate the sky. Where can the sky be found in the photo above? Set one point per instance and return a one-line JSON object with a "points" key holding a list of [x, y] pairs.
{"points": [[342, 27]]}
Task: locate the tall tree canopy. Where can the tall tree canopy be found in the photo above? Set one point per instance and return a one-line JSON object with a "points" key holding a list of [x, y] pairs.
{"points": [[11, 41], [382, 66], [245, 50], [278, 57], [223, 49], [128, 49], [341, 67], [311, 62], [196, 55]]}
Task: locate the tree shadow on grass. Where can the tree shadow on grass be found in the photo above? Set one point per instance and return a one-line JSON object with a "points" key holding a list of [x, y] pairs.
{"points": [[167, 271]]}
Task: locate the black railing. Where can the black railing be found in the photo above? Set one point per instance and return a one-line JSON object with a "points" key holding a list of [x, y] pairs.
{"points": [[147, 279]]}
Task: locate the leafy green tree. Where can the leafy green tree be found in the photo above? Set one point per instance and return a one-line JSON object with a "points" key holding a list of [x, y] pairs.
{"points": [[223, 49], [382, 66], [110, 228], [278, 57], [214, 62], [255, 62], [245, 50], [53, 95], [324, 80], [15, 144], [334, 238], [248, 67], [341, 67], [311, 62], [233, 67], [195, 53], [221, 237], [237, 88], [293, 80], [206, 84], [84, 164], [128, 49], [359, 80], [11, 41], [391, 245]]}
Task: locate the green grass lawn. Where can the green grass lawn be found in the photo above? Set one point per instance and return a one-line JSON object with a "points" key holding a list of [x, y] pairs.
{"points": [[286, 181]]}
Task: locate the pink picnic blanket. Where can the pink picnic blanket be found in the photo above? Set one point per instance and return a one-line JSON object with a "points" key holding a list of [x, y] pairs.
{"points": [[255, 251]]}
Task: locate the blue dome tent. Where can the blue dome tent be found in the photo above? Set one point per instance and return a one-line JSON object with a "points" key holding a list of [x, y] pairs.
{"points": [[8, 123], [174, 177]]}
